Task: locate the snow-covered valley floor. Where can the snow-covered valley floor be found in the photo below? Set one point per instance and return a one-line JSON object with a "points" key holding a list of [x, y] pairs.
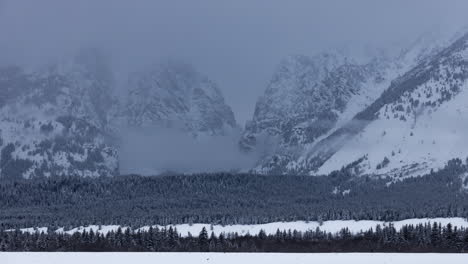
{"points": [[234, 258], [271, 228]]}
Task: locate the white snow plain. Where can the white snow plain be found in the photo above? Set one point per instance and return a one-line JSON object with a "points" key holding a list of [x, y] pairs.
{"points": [[271, 228], [229, 258], [328, 226]]}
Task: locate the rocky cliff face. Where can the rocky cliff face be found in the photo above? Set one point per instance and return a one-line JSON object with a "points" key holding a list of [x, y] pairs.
{"points": [[312, 106], [53, 121], [64, 119], [175, 95], [399, 116], [306, 99]]}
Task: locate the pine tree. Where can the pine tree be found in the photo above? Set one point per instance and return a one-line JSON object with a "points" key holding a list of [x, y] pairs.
{"points": [[203, 242], [149, 239], [262, 235], [172, 239], [435, 235]]}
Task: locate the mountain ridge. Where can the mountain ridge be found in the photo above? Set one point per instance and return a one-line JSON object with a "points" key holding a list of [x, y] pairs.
{"points": [[309, 159], [65, 118]]}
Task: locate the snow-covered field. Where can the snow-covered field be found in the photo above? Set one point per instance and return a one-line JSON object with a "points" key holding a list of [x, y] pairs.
{"points": [[215, 258], [271, 228], [328, 226]]}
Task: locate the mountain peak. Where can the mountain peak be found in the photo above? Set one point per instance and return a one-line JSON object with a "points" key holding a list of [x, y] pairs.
{"points": [[174, 94]]}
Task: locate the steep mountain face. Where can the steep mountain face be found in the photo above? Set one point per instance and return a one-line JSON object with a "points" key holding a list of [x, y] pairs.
{"points": [[296, 78], [174, 95], [65, 119], [308, 110], [401, 117], [418, 124], [54, 121], [307, 99]]}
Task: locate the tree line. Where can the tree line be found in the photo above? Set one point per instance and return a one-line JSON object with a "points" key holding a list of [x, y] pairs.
{"points": [[222, 198], [410, 238]]}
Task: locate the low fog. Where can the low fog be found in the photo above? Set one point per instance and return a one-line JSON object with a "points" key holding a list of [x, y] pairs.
{"points": [[151, 151], [235, 43]]}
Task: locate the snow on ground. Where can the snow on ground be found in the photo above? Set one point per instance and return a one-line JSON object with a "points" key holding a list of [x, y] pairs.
{"points": [[96, 228], [33, 230], [271, 228], [229, 258], [328, 226], [424, 141]]}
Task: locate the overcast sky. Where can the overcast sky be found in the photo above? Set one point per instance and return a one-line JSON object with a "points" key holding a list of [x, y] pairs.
{"points": [[237, 43]]}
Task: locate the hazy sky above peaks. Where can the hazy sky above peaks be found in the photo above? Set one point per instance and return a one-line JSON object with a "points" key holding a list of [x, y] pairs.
{"points": [[235, 43]]}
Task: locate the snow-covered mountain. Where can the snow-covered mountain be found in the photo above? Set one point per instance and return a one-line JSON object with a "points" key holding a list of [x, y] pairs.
{"points": [[400, 115], [64, 119], [175, 95], [312, 111], [307, 99], [53, 121], [417, 124]]}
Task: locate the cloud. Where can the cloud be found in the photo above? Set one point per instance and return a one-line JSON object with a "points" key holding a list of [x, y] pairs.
{"points": [[237, 43], [152, 151]]}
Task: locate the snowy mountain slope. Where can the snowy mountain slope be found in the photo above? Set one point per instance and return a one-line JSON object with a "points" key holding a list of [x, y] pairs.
{"points": [[317, 115], [427, 45], [175, 95], [418, 123], [307, 99], [295, 78], [53, 121], [307, 113], [64, 119]]}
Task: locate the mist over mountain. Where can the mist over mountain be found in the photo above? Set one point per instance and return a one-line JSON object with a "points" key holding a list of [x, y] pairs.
{"points": [[311, 103], [96, 88], [419, 117], [306, 99], [68, 119], [55, 121], [175, 95], [183, 126], [174, 119], [237, 44]]}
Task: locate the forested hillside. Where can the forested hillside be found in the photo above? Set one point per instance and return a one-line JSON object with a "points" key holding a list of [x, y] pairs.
{"points": [[230, 198]]}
